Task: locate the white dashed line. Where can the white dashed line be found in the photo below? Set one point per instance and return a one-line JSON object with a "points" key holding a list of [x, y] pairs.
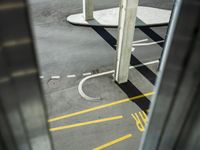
{"points": [[41, 77], [112, 71], [71, 76], [87, 74], [55, 77]]}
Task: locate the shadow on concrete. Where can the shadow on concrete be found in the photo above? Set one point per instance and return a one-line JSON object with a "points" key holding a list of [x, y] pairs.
{"points": [[128, 87], [131, 91], [153, 35], [145, 71], [150, 33]]}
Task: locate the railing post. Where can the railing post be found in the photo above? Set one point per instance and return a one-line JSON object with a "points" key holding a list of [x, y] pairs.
{"points": [[127, 18], [88, 7]]}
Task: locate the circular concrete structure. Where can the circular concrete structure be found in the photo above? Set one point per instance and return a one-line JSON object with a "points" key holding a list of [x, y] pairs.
{"points": [[146, 16]]}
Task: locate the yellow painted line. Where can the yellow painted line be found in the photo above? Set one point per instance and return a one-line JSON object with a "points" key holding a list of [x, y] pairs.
{"points": [[113, 142], [100, 107], [86, 123]]}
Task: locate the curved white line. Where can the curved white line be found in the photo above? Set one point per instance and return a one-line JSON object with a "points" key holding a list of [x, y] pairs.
{"points": [[80, 86], [89, 98]]}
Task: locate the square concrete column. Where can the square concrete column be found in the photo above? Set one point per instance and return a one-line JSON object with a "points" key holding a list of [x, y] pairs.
{"points": [[88, 7], [127, 19]]}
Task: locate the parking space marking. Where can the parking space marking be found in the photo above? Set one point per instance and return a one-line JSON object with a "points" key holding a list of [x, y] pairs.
{"points": [[113, 142], [139, 41], [85, 123], [100, 107]]}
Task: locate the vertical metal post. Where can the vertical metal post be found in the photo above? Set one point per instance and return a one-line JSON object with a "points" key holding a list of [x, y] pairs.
{"points": [[23, 120], [175, 115], [88, 7], [127, 18]]}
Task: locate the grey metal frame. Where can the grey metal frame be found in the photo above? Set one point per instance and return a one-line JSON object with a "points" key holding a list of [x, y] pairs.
{"points": [[23, 124], [175, 114]]}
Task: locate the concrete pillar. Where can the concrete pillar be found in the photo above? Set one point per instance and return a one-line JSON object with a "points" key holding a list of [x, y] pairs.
{"points": [[88, 6], [127, 18]]}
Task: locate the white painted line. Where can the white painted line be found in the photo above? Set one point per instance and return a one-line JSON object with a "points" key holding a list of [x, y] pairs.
{"points": [[87, 74], [147, 44], [55, 77], [145, 64], [139, 41], [71, 76], [41, 77], [89, 98]]}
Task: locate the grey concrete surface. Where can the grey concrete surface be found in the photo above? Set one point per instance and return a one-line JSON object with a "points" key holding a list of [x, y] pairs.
{"points": [[64, 49]]}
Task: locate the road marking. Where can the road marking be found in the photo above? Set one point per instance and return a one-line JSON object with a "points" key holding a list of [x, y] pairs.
{"points": [[147, 44], [71, 76], [85, 123], [139, 41], [108, 72], [113, 142], [141, 120], [100, 107], [87, 74], [55, 77], [145, 64], [41, 77]]}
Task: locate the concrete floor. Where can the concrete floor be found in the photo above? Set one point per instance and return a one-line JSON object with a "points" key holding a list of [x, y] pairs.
{"points": [[70, 51]]}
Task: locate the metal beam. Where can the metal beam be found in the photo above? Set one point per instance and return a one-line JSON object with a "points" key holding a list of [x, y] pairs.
{"points": [[127, 18], [23, 116], [88, 7], [175, 114]]}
